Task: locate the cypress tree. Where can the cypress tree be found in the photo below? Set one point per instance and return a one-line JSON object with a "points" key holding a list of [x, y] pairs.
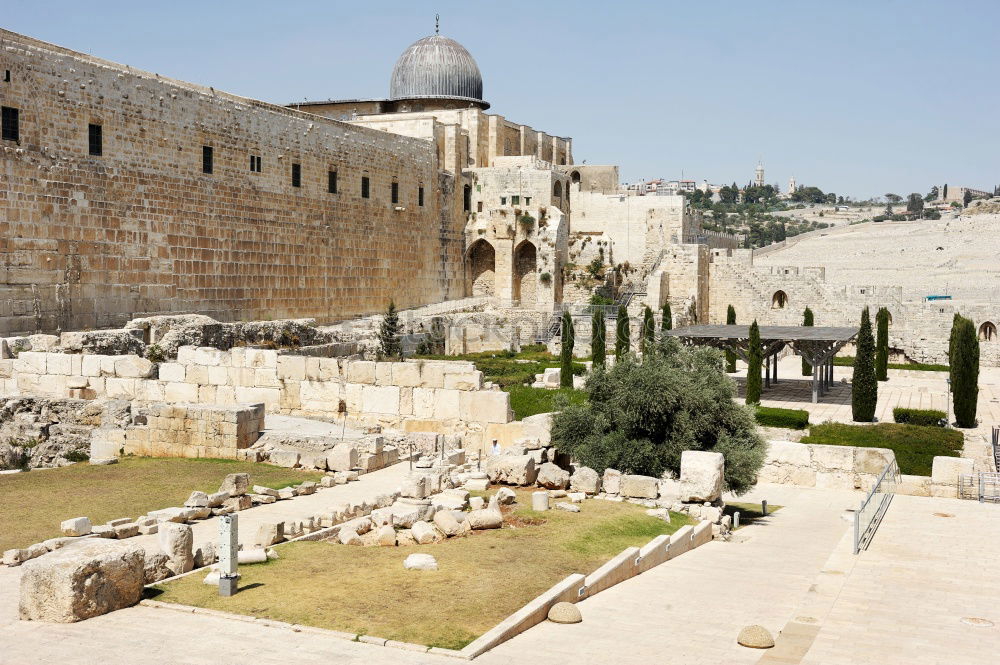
{"points": [[864, 389], [622, 333], [648, 333], [388, 333], [730, 355], [955, 325], [566, 352], [965, 368], [755, 358], [598, 336], [667, 320], [882, 344], [807, 321]]}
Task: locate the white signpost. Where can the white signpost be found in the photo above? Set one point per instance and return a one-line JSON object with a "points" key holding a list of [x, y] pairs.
{"points": [[228, 554]]}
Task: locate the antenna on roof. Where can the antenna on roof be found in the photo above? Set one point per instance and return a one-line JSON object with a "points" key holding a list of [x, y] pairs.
{"points": [[437, 24]]}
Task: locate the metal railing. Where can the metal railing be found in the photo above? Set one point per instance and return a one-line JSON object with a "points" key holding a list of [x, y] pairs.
{"points": [[996, 448], [983, 486], [874, 506]]}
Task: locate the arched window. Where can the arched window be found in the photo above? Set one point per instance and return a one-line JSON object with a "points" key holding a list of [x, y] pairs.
{"points": [[987, 332], [575, 177], [779, 300], [557, 190]]}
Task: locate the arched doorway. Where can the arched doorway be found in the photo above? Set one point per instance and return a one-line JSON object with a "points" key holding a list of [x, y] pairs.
{"points": [[557, 190], [525, 276], [779, 300], [480, 269], [987, 332]]}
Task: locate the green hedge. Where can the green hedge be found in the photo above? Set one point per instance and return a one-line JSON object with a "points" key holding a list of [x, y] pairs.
{"points": [[848, 361], [769, 416], [926, 417]]}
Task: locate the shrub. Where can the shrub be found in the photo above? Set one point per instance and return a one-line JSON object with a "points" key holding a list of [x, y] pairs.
{"points": [[390, 345], [154, 354], [882, 345], [566, 352], [622, 334], [730, 355], [965, 373], [598, 335], [925, 417], [666, 318], [545, 278], [807, 320], [864, 386], [787, 418], [755, 358], [639, 417], [77, 456]]}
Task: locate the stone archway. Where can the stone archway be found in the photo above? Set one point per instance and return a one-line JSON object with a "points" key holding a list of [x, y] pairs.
{"points": [[480, 269], [779, 300], [988, 331], [525, 275]]}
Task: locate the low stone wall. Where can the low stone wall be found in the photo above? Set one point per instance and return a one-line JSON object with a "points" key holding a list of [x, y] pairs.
{"points": [[815, 465], [193, 430], [444, 395]]}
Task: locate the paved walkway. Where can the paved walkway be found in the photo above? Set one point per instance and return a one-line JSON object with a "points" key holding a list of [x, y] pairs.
{"points": [[690, 609]]}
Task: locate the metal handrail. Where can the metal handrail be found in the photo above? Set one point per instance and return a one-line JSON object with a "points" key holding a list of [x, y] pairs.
{"points": [[873, 507]]}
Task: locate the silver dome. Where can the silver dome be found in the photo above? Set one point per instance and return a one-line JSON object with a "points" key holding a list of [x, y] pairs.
{"points": [[436, 67]]}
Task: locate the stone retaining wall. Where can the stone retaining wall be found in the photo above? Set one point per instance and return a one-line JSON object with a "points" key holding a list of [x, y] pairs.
{"points": [[815, 465], [441, 394]]}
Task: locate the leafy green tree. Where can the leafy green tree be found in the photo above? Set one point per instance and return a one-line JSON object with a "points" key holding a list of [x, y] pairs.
{"points": [[622, 334], [882, 344], [967, 198], [390, 344], [640, 417], [932, 195], [915, 203], [666, 318], [598, 338], [566, 352], [965, 369], [864, 388], [730, 355], [755, 359], [648, 332], [807, 320], [893, 198]]}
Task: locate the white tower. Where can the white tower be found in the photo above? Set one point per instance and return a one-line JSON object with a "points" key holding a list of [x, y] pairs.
{"points": [[791, 185], [759, 175]]}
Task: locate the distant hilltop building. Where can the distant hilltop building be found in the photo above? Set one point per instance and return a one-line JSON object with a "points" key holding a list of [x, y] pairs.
{"points": [[791, 185], [950, 193], [758, 179]]}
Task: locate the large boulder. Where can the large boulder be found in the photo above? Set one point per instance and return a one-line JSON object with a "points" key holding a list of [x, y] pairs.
{"points": [[512, 469], [91, 578], [415, 486], [585, 479], [176, 542], [486, 518], [237, 484], [425, 533], [552, 477], [611, 481], [702, 474], [342, 457], [639, 487], [446, 521]]}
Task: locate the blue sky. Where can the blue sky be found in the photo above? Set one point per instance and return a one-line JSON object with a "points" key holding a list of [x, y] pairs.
{"points": [[860, 98]]}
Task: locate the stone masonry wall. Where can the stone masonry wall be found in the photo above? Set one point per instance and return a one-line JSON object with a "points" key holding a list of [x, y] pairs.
{"points": [[94, 240], [441, 394]]}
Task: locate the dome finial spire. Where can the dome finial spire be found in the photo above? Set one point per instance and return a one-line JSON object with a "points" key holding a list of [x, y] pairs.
{"points": [[437, 24]]}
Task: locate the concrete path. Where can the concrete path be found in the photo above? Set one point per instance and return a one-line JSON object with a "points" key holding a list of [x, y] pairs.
{"points": [[691, 609]]}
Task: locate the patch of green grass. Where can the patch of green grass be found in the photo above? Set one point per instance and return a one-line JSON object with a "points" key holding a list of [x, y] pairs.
{"points": [[34, 503], [481, 579], [848, 361], [770, 416], [915, 446], [504, 369], [527, 401]]}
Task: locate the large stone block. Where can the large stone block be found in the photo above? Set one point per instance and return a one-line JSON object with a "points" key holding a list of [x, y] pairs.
{"points": [[236, 484], [833, 458], [93, 577], [702, 474], [611, 481], [946, 470], [585, 479], [485, 406], [512, 469], [133, 367], [788, 452], [639, 487], [342, 457], [380, 399], [176, 541], [361, 371], [552, 477]]}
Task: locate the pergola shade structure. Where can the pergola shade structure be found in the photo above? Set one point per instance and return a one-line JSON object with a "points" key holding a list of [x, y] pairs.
{"points": [[818, 345]]}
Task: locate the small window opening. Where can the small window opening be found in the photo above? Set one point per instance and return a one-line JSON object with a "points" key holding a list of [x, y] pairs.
{"points": [[395, 192], [10, 124], [331, 182], [365, 187], [255, 163], [206, 159], [95, 140], [296, 175], [420, 196]]}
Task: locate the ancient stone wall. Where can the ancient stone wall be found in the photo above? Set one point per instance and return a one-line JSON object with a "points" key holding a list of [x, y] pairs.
{"points": [[91, 240], [442, 394]]}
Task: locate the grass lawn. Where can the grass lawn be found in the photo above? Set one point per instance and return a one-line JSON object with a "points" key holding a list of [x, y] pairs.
{"points": [[527, 401], [34, 503], [848, 361], [915, 446], [482, 578]]}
